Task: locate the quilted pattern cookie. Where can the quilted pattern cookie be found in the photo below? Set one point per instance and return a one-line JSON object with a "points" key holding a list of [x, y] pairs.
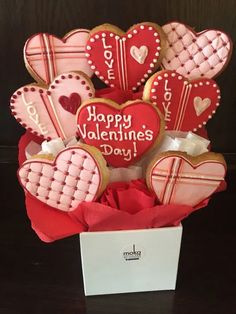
{"points": [[46, 56], [196, 55], [77, 174], [50, 113], [177, 178]]}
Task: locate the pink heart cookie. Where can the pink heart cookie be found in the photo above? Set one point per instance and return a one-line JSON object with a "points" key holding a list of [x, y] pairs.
{"points": [[47, 56], [177, 178], [196, 55], [77, 174], [125, 60], [45, 112], [186, 105]]}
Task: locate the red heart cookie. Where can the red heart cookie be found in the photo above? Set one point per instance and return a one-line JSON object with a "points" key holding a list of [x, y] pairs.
{"points": [[123, 133], [124, 60], [45, 112], [186, 105], [178, 178], [47, 56], [196, 55], [77, 174]]}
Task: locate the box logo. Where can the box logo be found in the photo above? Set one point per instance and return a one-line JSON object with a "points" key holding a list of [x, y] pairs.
{"points": [[133, 254]]}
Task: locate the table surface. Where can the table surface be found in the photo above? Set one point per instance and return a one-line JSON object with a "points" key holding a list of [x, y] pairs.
{"points": [[46, 278]]}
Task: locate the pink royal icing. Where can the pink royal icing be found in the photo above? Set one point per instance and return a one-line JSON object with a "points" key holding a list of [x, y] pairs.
{"points": [[186, 105], [50, 113], [122, 133], [47, 56], [176, 181], [73, 177], [124, 61], [195, 55]]}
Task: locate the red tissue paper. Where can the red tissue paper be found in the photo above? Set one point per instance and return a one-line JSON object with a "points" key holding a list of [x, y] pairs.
{"points": [[123, 206]]}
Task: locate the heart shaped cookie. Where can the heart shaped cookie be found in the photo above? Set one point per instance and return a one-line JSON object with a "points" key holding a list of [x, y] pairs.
{"points": [[50, 113], [186, 105], [177, 178], [196, 55], [47, 56], [125, 60], [77, 174], [123, 133]]}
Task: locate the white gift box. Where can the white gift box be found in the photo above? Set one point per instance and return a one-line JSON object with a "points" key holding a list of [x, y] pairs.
{"points": [[130, 261]]}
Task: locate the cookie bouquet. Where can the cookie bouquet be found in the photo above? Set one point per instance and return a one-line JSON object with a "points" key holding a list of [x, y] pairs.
{"points": [[132, 155]]}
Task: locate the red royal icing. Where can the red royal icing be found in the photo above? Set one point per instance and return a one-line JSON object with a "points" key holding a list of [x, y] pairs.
{"points": [[124, 61], [122, 133], [70, 103], [186, 105]]}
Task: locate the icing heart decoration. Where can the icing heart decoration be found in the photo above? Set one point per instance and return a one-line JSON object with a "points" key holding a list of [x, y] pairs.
{"points": [[186, 105], [139, 54], [47, 56], [50, 113], [74, 176], [177, 178], [70, 103], [123, 133], [201, 105], [196, 55], [125, 60]]}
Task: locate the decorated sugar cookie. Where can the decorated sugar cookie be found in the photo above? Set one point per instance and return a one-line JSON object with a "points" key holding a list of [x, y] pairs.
{"points": [[125, 60], [77, 174], [177, 178], [47, 56], [123, 133], [50, 113], [196, 55], [186, 105]]}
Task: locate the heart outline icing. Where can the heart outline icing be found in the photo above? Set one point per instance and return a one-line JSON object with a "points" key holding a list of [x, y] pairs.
{"points": [[39, 109], [109, 54], [47, 56], [177, 178], [123, 133], [194, 55], [200, 105], [174, 95], [76, 174]]}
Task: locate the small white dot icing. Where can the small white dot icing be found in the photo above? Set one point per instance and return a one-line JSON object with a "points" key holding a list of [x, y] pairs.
{"points": [[219, 97], [97, 72], [135, 31], [154, 97], [217, 104], [112, 85], [157, 54], [145, 75], [158, 48], [207, 83], [142, 26], [87, 55], [173, 74], [151, 65], [209, 116], [150, 28], [157, 40], [200, 83], [138, 83], [204, 123], [154, 103], [106, 82], [93, 67], [155, 34], [129, 35], [101, 77], [90, 62], [195, 85], [134, 88], [143, 80], [153, 90], [149, 71], [199, 125], [97, 36], [124, 39], [185, 83], [88, 47], [213, 111], [159, 77], [156, 83], [180, 77], [92, 40], [214, 85], [103, 34], [154, 60], [117, 37], [218, 91], [166, 75]]}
